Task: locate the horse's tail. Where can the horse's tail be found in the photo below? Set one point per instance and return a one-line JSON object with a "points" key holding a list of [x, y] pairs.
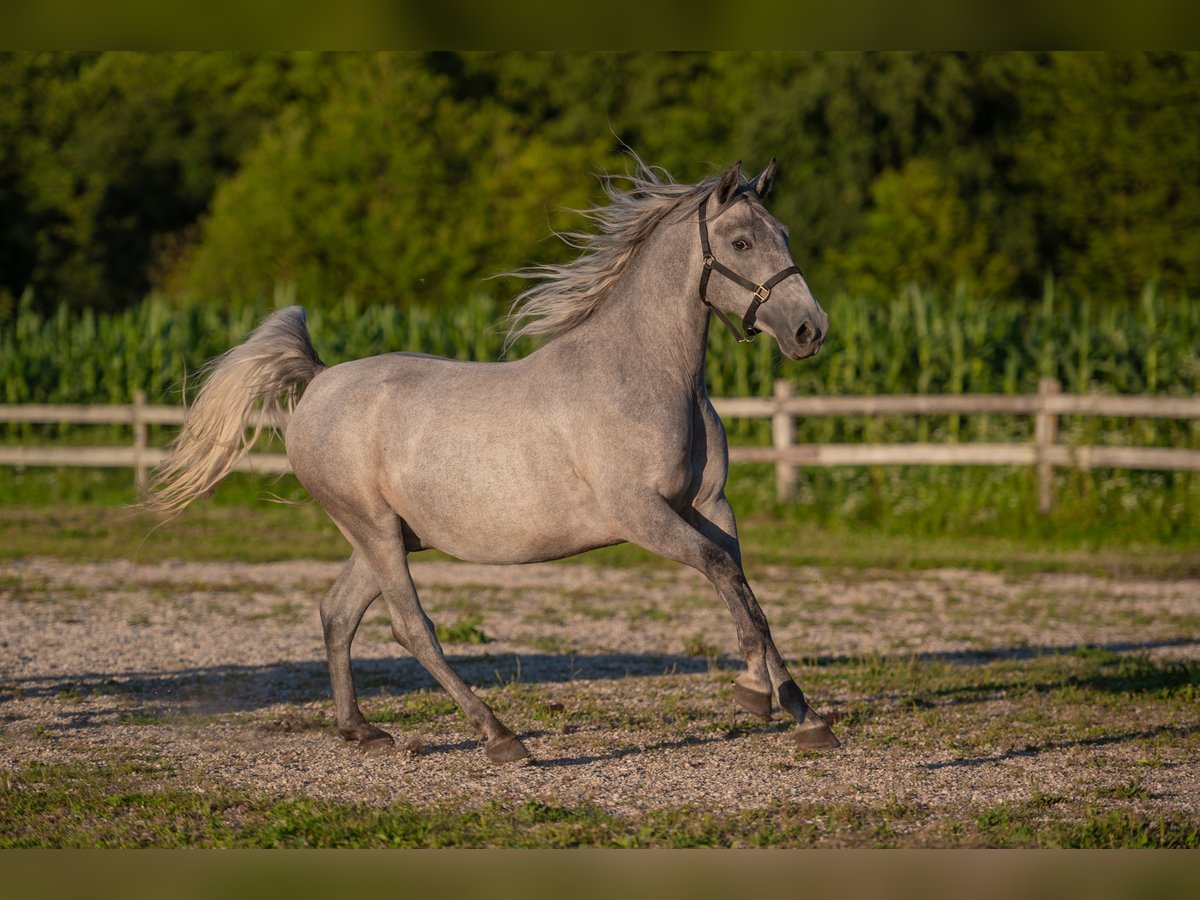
{"points": [[247, 387]]}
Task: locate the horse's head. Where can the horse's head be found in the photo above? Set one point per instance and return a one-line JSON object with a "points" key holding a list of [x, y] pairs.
{"points": [[761, 285]]}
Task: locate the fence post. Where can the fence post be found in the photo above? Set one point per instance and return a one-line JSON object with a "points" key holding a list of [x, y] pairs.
{"points": [[1045, 433], [783, 436], [139, 440]]}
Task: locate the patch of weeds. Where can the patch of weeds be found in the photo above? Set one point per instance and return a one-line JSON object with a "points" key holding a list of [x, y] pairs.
{"points": [[464, 631], [1127, 830], [528, 702], [69, 695], [648, 613], [139, 619], [550, 644], [1006, 825], [596, 613], [699, 647], [1100, 655], [1017, 825], [1040, 799], [1126, 790], [284, 612], [416, 708]]}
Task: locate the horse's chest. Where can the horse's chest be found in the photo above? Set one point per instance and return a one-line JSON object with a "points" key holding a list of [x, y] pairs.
{"points": [[679, 462]]}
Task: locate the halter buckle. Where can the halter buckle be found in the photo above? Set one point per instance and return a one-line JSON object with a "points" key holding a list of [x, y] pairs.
{"points": [[709, 260], [761, 293]]}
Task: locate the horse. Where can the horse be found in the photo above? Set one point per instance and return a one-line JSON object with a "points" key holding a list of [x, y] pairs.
{"points": [[602, 435]]}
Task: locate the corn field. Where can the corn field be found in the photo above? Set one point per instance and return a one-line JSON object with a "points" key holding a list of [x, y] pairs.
{"points": [[917, 343]]}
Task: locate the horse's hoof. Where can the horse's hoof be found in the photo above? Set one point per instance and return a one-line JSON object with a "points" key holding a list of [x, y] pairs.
{"points": [[506, 749], [757, 703], [368, 737], [818, 737]]}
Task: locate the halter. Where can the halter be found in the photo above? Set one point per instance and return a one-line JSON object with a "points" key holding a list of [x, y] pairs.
{"points": [[761, 292]]}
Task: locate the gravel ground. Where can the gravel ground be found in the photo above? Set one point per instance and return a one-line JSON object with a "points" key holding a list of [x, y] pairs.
{"points": [[618, 681]]}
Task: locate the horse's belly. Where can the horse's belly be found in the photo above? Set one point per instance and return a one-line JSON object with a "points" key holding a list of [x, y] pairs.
{"points": [[499, 511]]}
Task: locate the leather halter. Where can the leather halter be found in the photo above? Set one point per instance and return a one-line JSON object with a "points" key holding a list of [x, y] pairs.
{"points": [[761, 292]]}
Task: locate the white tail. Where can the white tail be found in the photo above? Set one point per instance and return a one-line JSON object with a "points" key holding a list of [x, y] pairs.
{"points": [[244, 388]]}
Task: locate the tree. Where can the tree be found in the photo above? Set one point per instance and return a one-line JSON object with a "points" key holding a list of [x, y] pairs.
{"points": [[119, 153], [919, 231], [1110, 147], [394, 190]]}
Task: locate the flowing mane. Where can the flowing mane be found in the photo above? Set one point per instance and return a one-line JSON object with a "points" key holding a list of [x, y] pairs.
{"points": [[567, 294]]}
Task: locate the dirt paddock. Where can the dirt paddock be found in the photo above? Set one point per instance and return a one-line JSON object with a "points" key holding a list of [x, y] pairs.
{"points": [[960, 696]]}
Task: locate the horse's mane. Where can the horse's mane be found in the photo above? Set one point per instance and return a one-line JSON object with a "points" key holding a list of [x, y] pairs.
{"points": [[567, 294]]}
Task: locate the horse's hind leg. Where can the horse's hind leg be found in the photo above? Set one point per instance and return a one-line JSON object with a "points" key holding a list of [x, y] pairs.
{"points": [[415, 632], [342, 610]]}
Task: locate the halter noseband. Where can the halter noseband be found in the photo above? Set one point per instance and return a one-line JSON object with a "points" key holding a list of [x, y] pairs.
{"points": [[761, 292]]}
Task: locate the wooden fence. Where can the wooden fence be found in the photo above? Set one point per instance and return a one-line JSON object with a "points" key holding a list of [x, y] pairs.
{"points": [[1043, 452]]}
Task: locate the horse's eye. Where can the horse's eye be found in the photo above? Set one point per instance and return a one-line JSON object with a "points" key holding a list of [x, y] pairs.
{"points": [[741, 245]]}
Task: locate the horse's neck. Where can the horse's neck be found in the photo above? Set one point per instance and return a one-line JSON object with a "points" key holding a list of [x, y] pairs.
{"points": [[653, 322]]}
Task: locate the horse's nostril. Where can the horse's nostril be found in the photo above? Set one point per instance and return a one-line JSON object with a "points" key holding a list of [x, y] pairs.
{"points": [[808, 333]]}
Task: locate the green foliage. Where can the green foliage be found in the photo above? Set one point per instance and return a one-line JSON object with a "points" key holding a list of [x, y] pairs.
{"points": [[407, 178], [464, 631], [394, 192], [1111, 149], [917, 341], [111, 158], [920, 231]]}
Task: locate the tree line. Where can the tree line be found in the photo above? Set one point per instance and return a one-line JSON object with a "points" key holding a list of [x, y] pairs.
{"points": [[409, 178]]}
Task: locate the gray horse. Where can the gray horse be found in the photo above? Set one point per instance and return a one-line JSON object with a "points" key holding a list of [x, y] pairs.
{"points": [[604, 434]]}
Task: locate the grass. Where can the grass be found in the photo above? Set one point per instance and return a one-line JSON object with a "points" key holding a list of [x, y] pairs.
{"points": [[139, 805], [414, 709], [85, 514], [464, 631]]}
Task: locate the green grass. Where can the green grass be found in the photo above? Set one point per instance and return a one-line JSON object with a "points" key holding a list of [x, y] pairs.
{"points": [[415, 708], [463, 631], [86, 514], [121, 805]]}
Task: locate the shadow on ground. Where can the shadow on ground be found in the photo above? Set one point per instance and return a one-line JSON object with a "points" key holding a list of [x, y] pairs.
{"points": [[235, 688], [216, 690]]}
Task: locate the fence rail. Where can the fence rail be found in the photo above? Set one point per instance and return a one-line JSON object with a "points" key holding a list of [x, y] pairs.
{"points": [[1044, 452]]}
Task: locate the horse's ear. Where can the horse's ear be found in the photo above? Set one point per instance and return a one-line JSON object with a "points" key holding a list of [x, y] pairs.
{"points": [[730, 179], [762, 184]]}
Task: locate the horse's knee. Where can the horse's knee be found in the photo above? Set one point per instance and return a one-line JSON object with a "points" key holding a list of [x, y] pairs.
{"points": [[719, 565]]}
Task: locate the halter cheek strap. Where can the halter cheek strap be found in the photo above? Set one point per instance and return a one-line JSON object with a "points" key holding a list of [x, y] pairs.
{"points": [[761, 292]]}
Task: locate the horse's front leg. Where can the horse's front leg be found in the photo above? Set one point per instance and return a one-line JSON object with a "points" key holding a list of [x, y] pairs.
{"points": [[653, 524], [752, 689]]}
